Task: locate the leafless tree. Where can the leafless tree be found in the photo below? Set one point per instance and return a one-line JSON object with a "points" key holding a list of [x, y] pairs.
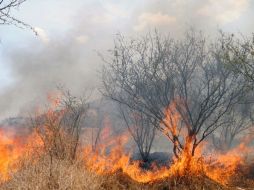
{"points": [[98, 133], [236, 125], [142, 131], [182, 85], [6, 17]]}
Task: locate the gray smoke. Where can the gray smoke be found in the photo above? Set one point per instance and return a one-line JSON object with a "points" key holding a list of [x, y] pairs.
{"points": [[38, 71], [71, 58]]}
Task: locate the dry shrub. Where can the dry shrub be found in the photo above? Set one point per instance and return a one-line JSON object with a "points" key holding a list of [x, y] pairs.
{"points": [[58, 165], [59, 125]]}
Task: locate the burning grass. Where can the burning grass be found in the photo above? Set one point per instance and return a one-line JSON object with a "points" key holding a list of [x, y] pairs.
{"points": [[198, 172], [33, 169], [213, 167], [48, 161]]}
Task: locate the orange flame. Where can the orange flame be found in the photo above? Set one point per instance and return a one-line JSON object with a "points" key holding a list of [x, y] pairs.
{"points": [[13, 148], [218, 167], [10, 150], [111, 156]]}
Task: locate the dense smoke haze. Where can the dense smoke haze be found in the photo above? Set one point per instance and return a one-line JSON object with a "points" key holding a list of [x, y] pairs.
{"points": [[66, 49]]}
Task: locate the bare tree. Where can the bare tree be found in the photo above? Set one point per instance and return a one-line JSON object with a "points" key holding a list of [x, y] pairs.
{"points": [[6, 17], [98, 133], [236, 125], [182, 85], [142, 131]]}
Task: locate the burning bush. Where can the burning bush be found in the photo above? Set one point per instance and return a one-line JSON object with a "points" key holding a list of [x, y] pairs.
{"points": [[59, 127]]}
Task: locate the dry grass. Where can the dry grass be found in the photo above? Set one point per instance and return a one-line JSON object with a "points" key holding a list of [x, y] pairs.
{"points": [[55, 174], [42, 170], [47, 174], [120, 181]]}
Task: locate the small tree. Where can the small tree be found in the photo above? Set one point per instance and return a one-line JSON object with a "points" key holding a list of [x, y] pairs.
{"points": [[182, 85], [101, 132], [97, 131], [142, 131], [236, 124]]}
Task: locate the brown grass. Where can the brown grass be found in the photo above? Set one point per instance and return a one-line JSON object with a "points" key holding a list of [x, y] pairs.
{"points": [[47, 174], [55, 174], [42, 170], [120, 181]]}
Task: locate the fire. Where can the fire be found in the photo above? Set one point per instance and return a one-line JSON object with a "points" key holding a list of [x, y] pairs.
{"points": [[103, 162], [112, 157], [219, 168], [10, 150], [13, 148]]}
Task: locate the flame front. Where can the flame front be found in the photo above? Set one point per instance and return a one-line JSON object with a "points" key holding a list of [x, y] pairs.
{"points": [[111, 156], [219, 168]]}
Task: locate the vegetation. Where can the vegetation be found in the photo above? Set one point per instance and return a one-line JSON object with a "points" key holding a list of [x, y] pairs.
{"points": [[188, 89], [182, 86]]}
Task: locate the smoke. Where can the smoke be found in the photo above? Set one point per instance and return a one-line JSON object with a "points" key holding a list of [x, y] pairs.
{"points": [[70, 57], [37, 71]]}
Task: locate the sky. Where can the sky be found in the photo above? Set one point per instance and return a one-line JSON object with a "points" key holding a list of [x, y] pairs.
{"points": [[71, 33]]}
